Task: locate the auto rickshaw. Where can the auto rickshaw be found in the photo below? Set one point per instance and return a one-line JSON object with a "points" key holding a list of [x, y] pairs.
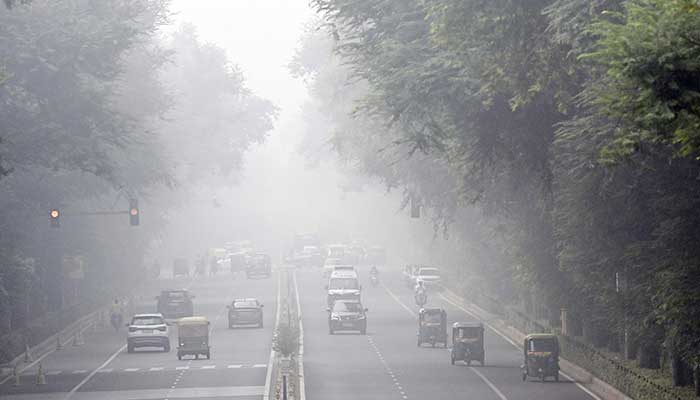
{"points": [[193, 337], [467, 342], [541, 356], [432, 326]]}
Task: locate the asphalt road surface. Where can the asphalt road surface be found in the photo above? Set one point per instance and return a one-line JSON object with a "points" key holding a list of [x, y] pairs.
{"points": [[102, 369], [384, 364]]}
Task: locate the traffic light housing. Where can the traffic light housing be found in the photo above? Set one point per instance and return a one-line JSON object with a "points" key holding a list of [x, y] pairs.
{"points": [[54, 218], [134, 212]]}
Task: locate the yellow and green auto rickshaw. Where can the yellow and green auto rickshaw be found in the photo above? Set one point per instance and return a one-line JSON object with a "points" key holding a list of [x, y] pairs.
{"points": [[432, 326], [468, 343], [193, 337], [541, 356]]}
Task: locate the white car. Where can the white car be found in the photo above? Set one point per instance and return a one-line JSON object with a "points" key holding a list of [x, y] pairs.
{"points": [[147, 330], [429, 275]]}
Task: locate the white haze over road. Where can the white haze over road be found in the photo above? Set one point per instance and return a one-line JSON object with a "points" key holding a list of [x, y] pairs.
{"points": [[276, 195]]}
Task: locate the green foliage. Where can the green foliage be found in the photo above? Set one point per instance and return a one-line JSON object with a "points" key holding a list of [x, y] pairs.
{"points": [[572, 125], [286, 340], [651, 56]]}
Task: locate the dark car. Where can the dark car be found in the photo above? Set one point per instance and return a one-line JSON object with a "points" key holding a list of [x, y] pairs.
{"points": [[175, 303], [259, 265], [245, 312], [347, 315]]}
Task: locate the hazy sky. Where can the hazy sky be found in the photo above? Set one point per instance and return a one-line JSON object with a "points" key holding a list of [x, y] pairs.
{"points": [[276, 192], [259, 35]]}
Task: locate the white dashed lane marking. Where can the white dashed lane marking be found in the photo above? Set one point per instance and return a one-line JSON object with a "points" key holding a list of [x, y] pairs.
{"points": [[388, 369], [150, 369]]}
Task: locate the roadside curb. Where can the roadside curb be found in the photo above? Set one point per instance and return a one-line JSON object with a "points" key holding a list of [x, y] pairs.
{"points": [[300, 356], [48, 345], [591, 384]]}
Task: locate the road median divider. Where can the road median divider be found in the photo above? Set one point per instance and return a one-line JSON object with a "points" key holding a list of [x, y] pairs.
{"points": [[286, 366]]}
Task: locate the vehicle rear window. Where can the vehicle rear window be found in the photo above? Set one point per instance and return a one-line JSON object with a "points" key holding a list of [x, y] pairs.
{"points": [[429, 272], [245, 304], [343, 283], [147, 321], [541, 345], [469, 332], [341, 306], [176, 296], [432, 317]]}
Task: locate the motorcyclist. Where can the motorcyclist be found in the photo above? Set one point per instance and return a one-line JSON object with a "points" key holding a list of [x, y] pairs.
{"points": [[420, 295], [116, 314], [420, 287]]}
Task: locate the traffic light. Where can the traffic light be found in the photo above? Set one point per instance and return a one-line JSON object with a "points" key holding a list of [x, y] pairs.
{"points": [[54, 216], [134, 212]]}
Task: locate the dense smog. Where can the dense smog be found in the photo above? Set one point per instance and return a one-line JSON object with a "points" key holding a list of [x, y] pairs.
{"points": [[349, 199]]}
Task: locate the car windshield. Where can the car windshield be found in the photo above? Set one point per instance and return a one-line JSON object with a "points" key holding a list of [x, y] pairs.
{"points": [[346, 306], [245, 304], [343, 283], [147, 321], [537, 345]]}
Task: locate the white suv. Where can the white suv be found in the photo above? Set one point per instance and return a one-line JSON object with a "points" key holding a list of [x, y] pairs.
{"points": [[147, 330]]}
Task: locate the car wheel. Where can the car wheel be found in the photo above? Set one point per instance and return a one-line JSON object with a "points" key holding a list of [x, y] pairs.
{"points": [[418, 343], [179, 356], [166, 348], [452, 360], [556, 377], [129, 348], [208, 355], [524, 376], [330, 331]]}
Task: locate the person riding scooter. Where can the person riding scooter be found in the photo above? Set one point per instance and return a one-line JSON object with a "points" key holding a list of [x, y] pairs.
{"points": [[116, 314], [374, 276], [421, 295]]}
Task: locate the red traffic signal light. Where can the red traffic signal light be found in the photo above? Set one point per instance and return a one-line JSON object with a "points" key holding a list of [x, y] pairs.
{"points": [[54, 216], [134, 213]]}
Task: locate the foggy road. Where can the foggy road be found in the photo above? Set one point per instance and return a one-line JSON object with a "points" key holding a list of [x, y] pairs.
{"points": [[102, 369], [386, 364]]}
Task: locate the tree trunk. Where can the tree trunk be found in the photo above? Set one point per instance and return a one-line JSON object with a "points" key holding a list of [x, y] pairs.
{"points": [[649, 356], [631, 345]]}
